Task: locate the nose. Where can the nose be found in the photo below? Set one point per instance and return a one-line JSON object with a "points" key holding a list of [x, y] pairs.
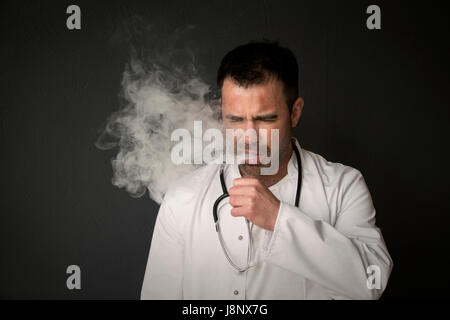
{"points": [[250, 125]]}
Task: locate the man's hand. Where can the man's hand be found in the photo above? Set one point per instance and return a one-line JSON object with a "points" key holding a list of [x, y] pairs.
{"points": [[253, 200]]}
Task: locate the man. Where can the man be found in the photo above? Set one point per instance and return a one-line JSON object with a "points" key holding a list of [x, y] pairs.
{"points": [[326, 248]]}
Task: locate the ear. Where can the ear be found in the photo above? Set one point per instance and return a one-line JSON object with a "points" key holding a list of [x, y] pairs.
{"points": [[296, 111]]}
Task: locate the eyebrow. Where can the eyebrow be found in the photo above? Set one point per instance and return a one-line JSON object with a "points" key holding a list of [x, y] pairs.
{"points": [[263, 117]]}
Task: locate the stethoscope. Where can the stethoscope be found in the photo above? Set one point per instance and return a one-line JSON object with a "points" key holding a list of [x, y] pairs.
{"points": [[225, 195]]}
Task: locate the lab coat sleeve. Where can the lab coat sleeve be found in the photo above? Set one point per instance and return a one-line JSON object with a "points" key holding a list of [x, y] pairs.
{"points": [[164, 273], [335, 257]]}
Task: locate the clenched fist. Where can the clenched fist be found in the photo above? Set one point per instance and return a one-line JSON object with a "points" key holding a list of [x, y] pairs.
{"points": [[253, 200]]}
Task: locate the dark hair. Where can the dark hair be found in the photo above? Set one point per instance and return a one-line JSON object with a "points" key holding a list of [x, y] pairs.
{"points": [[256, 62]]}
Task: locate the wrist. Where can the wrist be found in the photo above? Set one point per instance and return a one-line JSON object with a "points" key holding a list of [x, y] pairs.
{"points": [[274, 216]]}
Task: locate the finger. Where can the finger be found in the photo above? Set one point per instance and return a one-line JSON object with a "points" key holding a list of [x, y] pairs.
{"points": [[239, 212], [239, 201], [245, 182], [243, 191]]}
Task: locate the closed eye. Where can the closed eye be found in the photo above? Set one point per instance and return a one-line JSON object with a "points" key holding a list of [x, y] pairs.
{"points": [[266, 118], [234, 118]]}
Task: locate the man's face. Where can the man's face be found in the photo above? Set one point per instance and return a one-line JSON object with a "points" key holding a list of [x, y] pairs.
{"points": [[261, 106]]}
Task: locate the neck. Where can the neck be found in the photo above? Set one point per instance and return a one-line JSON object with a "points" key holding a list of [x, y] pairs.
{"points": [[270, 180]]}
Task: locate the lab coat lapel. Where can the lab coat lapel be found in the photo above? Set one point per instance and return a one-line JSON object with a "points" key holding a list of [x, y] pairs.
{"points": [[313, 200]]}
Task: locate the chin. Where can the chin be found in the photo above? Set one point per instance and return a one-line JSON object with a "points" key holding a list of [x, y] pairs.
{"points": [[252, 169]]}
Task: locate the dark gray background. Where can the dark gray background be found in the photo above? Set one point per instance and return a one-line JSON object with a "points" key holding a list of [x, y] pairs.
{"points": [[374, 100]]}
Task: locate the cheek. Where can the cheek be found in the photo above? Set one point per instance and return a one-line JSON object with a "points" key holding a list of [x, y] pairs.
{"points": [[271, 131], [283, 136]]}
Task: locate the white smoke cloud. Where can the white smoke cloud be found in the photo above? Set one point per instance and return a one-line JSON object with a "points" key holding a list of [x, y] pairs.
{"points": [[159, 96]]}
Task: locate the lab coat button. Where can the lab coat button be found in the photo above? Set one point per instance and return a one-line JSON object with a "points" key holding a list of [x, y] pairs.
{"points": [[240, 237], [236, 292]]}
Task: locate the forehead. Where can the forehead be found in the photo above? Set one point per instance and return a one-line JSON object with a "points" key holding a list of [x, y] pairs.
{"points": [[266, 96]]}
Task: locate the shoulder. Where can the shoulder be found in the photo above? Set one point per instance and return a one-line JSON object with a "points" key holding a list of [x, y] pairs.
{"points": [[344, 185], [186, 194], [330, 172], [193, 183]]}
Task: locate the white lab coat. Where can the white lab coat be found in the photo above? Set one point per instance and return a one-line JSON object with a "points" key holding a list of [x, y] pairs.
{"points": [[320, 250]]}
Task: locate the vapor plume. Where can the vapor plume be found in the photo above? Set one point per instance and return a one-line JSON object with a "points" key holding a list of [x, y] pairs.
{"points": [[160, 92]]}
